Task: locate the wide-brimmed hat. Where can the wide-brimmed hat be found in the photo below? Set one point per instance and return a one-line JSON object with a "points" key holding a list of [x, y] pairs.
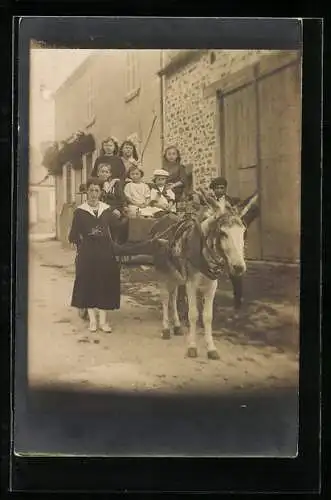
{"points": [[160, 173]]}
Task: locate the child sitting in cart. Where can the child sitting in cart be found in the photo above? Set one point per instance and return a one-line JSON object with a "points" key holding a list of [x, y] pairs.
{"points": [[137, 194], [112, 192], [162, 196]]}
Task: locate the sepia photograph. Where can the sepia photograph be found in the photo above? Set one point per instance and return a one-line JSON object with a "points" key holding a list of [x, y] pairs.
{"points": [[164, 252]]}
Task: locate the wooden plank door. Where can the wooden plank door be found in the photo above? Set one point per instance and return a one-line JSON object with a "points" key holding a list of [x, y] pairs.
{"points": [[280, 149], [240, 153]]}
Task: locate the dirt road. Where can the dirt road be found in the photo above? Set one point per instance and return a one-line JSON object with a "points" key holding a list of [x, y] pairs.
{"points": [[133, 356]]}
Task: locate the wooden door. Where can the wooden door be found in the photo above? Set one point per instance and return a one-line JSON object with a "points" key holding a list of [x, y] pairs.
{"points": [[240, 153], [280, 150]]}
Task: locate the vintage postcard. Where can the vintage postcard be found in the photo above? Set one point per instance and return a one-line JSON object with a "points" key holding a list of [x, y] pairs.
{"points": [[164, 252]]}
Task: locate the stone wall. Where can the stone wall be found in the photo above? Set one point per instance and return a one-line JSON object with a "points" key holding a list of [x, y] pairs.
{"points": [[190, 118]]}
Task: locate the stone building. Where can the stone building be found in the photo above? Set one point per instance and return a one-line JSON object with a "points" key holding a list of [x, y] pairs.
{"points": [[230, 112], [238, 113], [113, 92]]}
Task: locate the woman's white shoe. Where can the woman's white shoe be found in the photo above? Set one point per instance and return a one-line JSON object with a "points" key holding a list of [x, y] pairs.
{"points": [[103, 321], [106, 328], [93, 327]]}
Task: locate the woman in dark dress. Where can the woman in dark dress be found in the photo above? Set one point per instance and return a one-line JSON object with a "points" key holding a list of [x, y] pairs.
{"points": [[109, 154], [97, 281]]}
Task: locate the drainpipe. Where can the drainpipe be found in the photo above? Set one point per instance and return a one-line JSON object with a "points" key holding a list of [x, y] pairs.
{"points": [[162, 103]]}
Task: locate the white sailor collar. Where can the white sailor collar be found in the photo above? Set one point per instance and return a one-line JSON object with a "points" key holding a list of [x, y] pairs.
{"points": [[87, 208]]}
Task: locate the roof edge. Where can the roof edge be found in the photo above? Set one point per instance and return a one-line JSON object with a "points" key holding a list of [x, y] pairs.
{"points": [[181, 59]]}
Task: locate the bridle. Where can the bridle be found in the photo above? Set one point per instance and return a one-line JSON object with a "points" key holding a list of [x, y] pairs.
{"points": [[214, 261]]}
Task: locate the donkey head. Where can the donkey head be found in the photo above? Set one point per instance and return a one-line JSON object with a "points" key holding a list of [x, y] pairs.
{"points": [[224, 235]]}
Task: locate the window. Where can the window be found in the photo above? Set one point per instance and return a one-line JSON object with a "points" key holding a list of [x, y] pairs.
{"points": [[132, 73]]}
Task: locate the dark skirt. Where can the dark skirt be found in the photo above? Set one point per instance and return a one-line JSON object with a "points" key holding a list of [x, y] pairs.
{"points": [[97, 281]]}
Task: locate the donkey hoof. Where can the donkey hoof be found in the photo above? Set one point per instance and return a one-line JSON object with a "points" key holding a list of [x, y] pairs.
{"points": [[192, 352], [178, 330], [213, 355], [166, 334]]}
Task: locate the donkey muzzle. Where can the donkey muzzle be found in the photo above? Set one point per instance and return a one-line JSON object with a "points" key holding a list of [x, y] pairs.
{"points": [[237, 269]]}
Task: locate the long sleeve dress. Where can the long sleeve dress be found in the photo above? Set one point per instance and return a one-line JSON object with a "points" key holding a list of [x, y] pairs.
{"points": [[118, 170], [97, 280], [177, 173]]}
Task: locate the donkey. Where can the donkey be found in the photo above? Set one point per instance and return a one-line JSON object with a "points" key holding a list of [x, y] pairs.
{"points": [[194, 254], [249, 210]]}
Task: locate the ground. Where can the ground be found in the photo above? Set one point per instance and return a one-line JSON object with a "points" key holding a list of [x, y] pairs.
{"points": [[254, 350], [42, 227], [132, 382]]}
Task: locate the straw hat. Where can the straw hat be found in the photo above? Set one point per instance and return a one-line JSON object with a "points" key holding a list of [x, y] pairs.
{"points": [[160, 173]]}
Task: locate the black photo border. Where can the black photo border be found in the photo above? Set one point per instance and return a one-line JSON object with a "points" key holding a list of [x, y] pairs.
{"points": [[300, 474]]}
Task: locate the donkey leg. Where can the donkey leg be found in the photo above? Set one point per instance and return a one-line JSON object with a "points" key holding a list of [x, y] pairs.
{"points": [[182, 305], [208, 319], [177, 327], [191, 289], [165, 312]]}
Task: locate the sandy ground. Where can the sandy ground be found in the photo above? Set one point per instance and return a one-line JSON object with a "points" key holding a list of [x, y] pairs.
{"points": [[256, 350]]}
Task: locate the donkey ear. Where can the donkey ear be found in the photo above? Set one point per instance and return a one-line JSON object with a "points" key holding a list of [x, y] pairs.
{"points": [[247, 206]]}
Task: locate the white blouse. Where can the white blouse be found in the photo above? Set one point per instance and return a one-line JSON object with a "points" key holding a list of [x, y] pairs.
{"points": [[137, 193]]}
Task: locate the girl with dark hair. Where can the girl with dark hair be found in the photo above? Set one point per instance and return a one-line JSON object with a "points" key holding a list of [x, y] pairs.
{"points": [[129, 156], [97, 280], [109, 154], [177, 175]]}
